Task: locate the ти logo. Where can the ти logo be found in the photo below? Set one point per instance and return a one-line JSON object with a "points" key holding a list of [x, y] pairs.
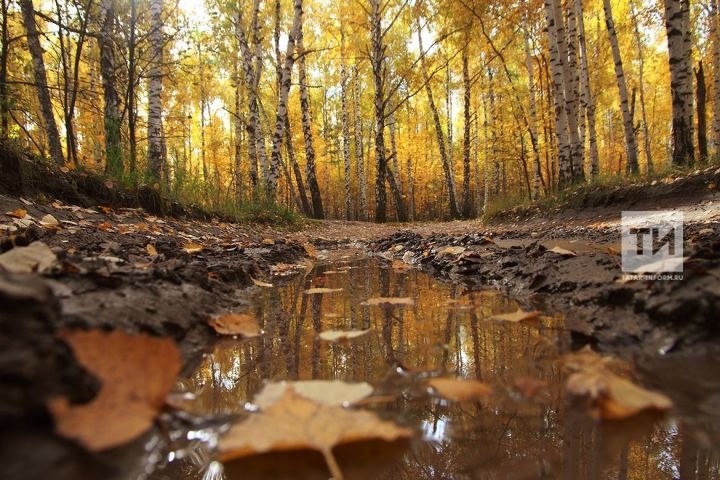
{"points": [[652, 242]]}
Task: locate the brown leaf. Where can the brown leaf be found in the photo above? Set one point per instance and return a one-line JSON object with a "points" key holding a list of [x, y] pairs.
{"points": [[105, 226], [191, 247], [296, 423], [18, 213], [388, 301], [459, 390], [136, 371], [326, 392], [49, 221], [342, 335], [562, 251], [268, 241], [515, 317], [319, 291], [236, 324], [36, 257], [151, 250]]}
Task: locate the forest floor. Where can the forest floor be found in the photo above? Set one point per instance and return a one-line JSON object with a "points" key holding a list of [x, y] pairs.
{"points": [[110, 268]]}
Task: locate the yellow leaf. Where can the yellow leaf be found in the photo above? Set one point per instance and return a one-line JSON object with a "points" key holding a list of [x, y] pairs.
{"points": [[151, 250], [18, 213], [189, 247], [236, 324], [326, 392], [518, 316], [459, 390]]}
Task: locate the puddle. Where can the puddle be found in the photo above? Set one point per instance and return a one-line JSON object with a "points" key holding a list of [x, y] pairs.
{"points": [[446, 331]]}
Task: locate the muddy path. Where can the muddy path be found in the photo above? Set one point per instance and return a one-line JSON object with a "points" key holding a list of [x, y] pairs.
{"points": [[124, 269]]}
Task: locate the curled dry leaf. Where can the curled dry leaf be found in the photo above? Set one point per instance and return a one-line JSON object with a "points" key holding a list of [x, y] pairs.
{"points": [[18, 213], [236, 324], [372, 302], [562, 251], [515, 317], [613, 396], [296, 423], [192, 247], [342, 335], [49, 221], [318, 291], [332, 393], [151, 250], [260, 283], [36, 257], [128, 402], [459, 390]]}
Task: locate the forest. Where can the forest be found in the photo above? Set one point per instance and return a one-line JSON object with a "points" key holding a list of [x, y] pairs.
{"points": [[381, 110]]}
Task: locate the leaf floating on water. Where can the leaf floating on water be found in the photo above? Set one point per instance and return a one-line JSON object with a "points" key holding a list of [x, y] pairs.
{"points": [[318, 291], [332, 393], [341, 335], [562, 251], [613, 396], [18, 213], [459, 390], [373, 302], [296, 423], [36, 257], [516, 317], [137, 372], [192, 247], [236, 324], [260, 283]]}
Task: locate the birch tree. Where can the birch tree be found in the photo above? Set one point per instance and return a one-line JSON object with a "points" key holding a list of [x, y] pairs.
{"points": [[377, 61], [467, 197], [588, 102], [359, 160], [677, 24], [41, 84], [154, 117], [715, 34], [628, 127], [112, 117], [641, 86], [345, 126], [537, 176]]}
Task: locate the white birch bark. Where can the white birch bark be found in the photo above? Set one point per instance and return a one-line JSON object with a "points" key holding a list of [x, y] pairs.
{"points": [[715, 29], [537, 180], [588, 102], [154, 116], [359, 160], [345, 126], [641, 72]]}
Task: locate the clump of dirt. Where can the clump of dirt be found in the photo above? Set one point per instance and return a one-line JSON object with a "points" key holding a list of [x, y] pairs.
{"points": [[586, 284]]}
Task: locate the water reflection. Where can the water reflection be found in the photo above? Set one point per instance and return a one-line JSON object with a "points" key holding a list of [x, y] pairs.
{"points": [[447, 330]]}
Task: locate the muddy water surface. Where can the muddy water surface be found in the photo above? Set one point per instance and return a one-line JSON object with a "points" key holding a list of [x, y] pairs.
{"points": [[526, 429]]}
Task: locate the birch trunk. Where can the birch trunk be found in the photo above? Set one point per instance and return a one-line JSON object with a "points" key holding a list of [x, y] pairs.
{"points": [[131, 104], [41, 85], [715, 29], [310, 171], [537, 175], [345, 126], [397, 195], [447, 167], [630, 142], [377, 60], [359, 160], [702, 112], [677, 23], [486, 141], [111, 112], [154, 118], [282, 107], [302, 193], [588, 102], [573, 86], [467, 197], [238, 117], [561, 117], [641, 67]]}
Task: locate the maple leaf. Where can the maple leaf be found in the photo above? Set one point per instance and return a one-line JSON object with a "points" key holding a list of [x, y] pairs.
{"points": [[341, 335], [516, 317], [373, 302], [236, 324], [459, 390], [137, 372], [296, 423]]}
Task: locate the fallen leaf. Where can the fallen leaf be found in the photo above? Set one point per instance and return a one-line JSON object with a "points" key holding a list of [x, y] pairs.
{"points": [[332, 393], [562, 251], [36, 257], [318, 291], [19, 213], [151, 250], [459, 390], [389, 301], [340, 335], [310, 250], [268, 241], [189, 247], [236, 324], [295, 423], [136, 371], [105, 210], [259, 283], [518, 316], [105, 226], [49, 221], [450, 251]]}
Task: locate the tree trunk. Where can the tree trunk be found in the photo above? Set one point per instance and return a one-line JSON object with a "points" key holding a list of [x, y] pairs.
{"points": [[310, 172], [677, 23], [345, 126], [628, 127], [154, 119], [307, 210], [397, 189], [537, 174], [467, 197], [359, 160], [4, 55], [641, 67], [238, 116], [702, 112], [112, 118], [397, 195], [573, 86], [131, 105], [377, 60], [447, 167], [36, 52], [715, 30], [282, 107], [586, 97]]}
